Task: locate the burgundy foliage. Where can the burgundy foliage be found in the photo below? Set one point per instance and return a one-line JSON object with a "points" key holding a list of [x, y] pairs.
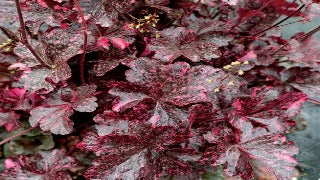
{"points": [[43, 165], [149, 89]]}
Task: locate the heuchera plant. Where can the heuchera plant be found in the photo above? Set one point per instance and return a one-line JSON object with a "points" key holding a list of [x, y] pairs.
{"points": [[155, 89]]}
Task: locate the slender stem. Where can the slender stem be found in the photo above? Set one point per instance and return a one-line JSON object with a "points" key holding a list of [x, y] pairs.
{"points": [[24, 38], [85, 39], [290, 23], [17, 135], [309, 33], [9, 34], [300, 37], [313, 101], [22, 24], [283, 20]]}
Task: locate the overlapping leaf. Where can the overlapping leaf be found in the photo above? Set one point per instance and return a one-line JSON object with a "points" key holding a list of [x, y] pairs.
{"points": [[304, 80], [10, 120], [44, 165], [54, 114], [185, 42], [53, 118], [178, 83], [257, 144], [268, 109], [269, 103], [84, 100], [132, 152], [180, 112], [18, 98], [305, 53]]}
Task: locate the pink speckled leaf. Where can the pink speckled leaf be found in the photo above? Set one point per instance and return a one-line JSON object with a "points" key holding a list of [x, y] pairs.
{"points": [[231, 2], [120, 43], [106, 65], [84, 100], [43, 79], [110, 122], [53, 118], [61, 72], [256, 143], [270, 107], [10, 120], [135, 167], [127, 99], [180, 41], [178, 83], [43, 165], [306, 53], [304, 80], [131, 168], [166, 115], [66, 43], [118, 154], [36, 80], [36, 15]]}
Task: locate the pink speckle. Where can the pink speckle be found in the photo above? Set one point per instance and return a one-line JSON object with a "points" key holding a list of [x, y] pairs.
{"points": [[19, 66], [8, 163], [42, 3], [119, 43], [154, 120], [103, 42], [80, 145], [250, 55]]}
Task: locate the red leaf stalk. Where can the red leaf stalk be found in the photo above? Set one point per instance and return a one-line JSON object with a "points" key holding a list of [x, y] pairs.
{"points": [[17, 135], [24, 39], [313, 101], [283, 20], [85, 39], [301, 37]]}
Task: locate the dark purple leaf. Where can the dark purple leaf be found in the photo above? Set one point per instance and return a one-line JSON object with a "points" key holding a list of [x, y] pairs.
{"points": [[304, 80], [127, 100], [273, 151], [268, 103], [166, 115], [181, 41], [134, 167], [44, 165], [178, 83], [108, 64]]}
